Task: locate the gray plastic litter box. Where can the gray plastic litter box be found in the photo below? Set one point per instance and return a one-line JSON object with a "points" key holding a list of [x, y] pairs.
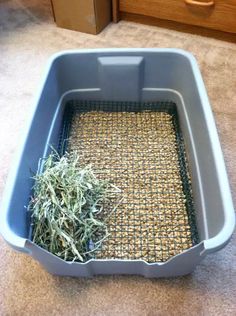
{"points": [[125, 75]]}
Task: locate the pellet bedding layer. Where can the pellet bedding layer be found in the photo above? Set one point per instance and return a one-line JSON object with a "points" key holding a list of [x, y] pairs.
{"points": [[137, 152]]}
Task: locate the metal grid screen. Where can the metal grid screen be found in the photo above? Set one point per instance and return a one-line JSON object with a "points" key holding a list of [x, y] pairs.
{"points": [[140, 149]]}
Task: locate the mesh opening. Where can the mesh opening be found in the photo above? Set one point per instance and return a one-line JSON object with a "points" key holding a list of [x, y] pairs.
{"points": [[140, 148]]}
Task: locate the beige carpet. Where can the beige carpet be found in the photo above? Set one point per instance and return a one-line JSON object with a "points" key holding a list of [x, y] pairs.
{"points": [[28, 37]]}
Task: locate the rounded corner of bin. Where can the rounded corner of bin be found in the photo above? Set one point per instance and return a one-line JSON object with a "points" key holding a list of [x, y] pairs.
{"points": [[16, 242], [11, 238], [190, 56], [56, 56], [223, 237]]}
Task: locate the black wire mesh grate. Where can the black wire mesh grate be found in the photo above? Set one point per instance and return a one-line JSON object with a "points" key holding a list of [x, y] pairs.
{"points": [[140, 148]]}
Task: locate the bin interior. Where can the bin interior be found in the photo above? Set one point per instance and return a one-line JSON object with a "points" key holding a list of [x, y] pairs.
{"points": [[139, 147], [130, 77]]}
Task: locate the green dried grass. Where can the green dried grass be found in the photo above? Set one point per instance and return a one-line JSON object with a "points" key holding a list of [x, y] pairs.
{"points": [[67, 208]]}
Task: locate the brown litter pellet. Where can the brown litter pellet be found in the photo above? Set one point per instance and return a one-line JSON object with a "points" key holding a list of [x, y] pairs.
{"points": [[138, 153]]}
